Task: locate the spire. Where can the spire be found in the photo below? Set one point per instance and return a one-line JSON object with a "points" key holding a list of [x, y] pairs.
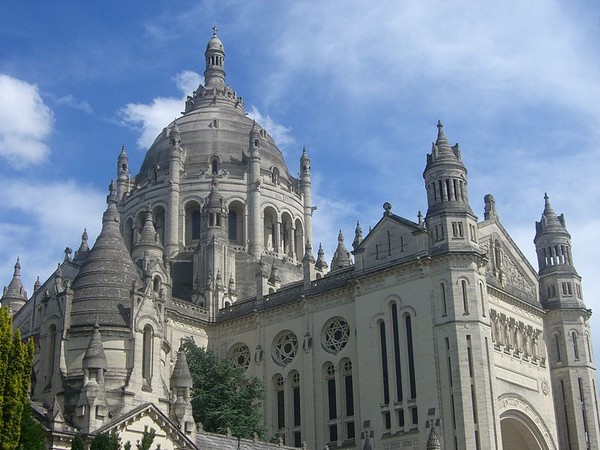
{"points": [[321, 264], [550, 222], [214, 75], [37, 285], [358, 237], [84, 247], [14, 295], [181, 376], [94, 357], [308, 252], [341, 257], [103, 284]]}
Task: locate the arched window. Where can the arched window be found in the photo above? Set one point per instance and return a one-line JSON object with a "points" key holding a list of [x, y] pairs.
{"points": [[497, 254], [332, 412], [214, 165], [275, 176], [444, 304], [128, 234], [156, 284], [397, 362], [384, 363], [279, 402], [482, 296], [411, 357], [575, 346], [348, 398], [196, 224], [147, 349], [232, 226], [159, 223], [557, 343], [51, 352], [463, 286], [296, 410]]}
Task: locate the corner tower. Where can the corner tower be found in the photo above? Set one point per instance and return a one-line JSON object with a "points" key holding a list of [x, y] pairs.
{"points": [[568, 335], [450, 219]]}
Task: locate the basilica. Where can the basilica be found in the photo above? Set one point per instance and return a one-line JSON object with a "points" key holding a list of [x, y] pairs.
{"points": [[434, 334]]}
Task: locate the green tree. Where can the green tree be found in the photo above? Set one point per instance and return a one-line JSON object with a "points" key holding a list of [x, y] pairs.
{"points": [[106, 441], [77, 443], [15, 380], [222, 397], [33, 435]]}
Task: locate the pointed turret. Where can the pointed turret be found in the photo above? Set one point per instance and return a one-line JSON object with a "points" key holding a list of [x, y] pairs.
{"points": [[321, 264], [103, 285], [181, 385], [214, 75], [341, 257], [91, 407], [14, 296], [450, 219], [308, 266], [433, 441], [84, 249], [358, 237], [572, 366], [122, 174], [306, 190], [148, 243]]}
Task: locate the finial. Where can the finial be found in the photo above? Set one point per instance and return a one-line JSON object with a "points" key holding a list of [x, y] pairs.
{"points": [[420, 218], [17, 267], [387, 206], [123, 152], [440, 125], [215, 29]]}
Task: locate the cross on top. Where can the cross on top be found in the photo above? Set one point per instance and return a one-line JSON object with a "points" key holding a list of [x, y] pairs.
{"points": [[215, 29]]}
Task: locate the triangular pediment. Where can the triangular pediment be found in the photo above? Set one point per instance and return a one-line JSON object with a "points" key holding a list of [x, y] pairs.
{"points": [[131, 425], [507, 265], [392, 238]]}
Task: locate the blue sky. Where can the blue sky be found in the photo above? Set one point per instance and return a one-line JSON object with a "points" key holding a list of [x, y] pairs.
{"points": [[361, 86]]}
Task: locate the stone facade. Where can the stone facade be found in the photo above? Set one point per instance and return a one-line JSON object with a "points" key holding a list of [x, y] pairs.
{"points": [[429, 334]]}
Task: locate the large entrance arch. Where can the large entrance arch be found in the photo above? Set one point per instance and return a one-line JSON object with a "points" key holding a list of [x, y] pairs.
{"points": [[521, 426]]}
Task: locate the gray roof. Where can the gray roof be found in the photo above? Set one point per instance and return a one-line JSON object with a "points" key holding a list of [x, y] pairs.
{"points": [[102, 288]]}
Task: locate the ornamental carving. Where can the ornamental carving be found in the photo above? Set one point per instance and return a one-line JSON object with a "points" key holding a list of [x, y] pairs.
{"points": [[516, 338], [335, 335], [239, 354], [285, 347]]}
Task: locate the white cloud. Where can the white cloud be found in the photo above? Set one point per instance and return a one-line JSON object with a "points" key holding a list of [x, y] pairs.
{"points": [[151, 118], [55, 215], [280, 133], [25, 123], [73, 102]]}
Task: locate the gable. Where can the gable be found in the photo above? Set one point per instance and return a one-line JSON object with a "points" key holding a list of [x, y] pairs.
{"points": [[131, 427], [392, 239], [507, 265]]}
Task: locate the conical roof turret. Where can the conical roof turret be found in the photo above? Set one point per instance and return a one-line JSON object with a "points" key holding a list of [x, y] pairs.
{"points": [[14, 295], [358, 236], [95, 357], [148, 241], [215, 201], [433, 441], [103, 285], [84, 248], [321, 264], [550, 222], [341, 257], [181, 376]]}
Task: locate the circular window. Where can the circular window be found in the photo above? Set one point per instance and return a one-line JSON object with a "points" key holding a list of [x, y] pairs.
{"points": [[336, 333], [285, 347], [240, 355]]}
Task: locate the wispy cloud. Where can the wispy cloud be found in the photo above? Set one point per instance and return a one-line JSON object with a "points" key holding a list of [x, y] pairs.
{"points": [[151, 118], [73, 102], [25, 123], [280, 133], [48, 230]]}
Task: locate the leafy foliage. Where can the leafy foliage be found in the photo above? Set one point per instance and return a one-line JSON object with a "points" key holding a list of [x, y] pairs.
{"points": [[33, 435], [77, 443], [222, 397], [112, 441], [15, 380]]}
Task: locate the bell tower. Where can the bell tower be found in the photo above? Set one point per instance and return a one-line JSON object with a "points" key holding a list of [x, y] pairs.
{"points": [[568, 335]]}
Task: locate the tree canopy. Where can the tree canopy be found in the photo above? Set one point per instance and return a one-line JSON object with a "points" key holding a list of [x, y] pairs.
{"points": [[222, 397], [15, 379]]}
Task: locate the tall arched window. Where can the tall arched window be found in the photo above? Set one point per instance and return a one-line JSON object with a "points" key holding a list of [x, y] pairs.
{"points": [[575, 346], [51, 352], [397, 362], [232, 226], [384, 364], [463, 286], [444, 304], [411, 357], [348, 398], [279, 402], [214, 165], [332, 412], [482, 297], [196, 224], [147, 349], [296, 409]]}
